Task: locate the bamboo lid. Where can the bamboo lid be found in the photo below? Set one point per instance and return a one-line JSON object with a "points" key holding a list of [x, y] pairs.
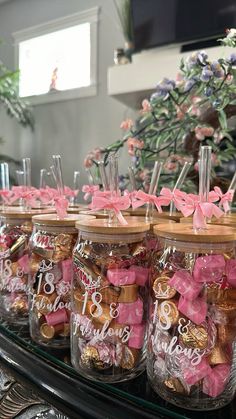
{"points": [[231, 222], [101, 226], [155, 221], [100, 214], [182, 232], [164, 214], [18, 213], [53, 220]]}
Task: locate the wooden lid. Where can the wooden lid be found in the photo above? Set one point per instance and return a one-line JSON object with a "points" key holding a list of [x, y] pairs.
{"points": [[185, 232], [186, 220], [52, 219], [100, 214], [155, 221], [101, 226], [164, 214], [224, 222], [14, 212]]}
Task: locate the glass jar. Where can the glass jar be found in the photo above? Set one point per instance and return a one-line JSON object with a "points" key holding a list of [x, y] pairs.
{"points": [[51, 246], [109, 295], [192, 317], [15, 230]]}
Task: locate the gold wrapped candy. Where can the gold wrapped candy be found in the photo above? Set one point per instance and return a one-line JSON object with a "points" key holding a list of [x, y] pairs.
{"points": [[195, 337], [90, 358], [174, 384], [129, 358], [168, 311], [128, 294], [161, 288], [218, 355]]}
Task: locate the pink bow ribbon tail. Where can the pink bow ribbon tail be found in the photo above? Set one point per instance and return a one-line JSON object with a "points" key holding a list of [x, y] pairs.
{"points": [[89, 190], [116, 204], [61, 205]]}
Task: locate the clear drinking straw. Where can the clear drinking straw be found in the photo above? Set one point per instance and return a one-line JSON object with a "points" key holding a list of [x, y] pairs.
{"points": [[179, 183], [132, 179], [204, 173], [20, 177], [232, 187], [114, 184], [5, 184], [58, 173], [26, 179], [90, 177], [103, 175], [76, 178], [42, 179], [153, 188]]}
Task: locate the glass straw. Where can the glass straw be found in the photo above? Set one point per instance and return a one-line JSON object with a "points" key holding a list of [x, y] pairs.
{"points": [[204, 173], [90, 177], [42, 180], [26, 179], [232, 187], [179, 183], [132, 179], [74, 199], [5, 184], [58, 173], [103, 175], [114, 185], [153, 188]]}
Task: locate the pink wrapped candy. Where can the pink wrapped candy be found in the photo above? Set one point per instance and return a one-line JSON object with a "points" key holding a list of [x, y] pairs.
{"points": [[195, 310], [118, 277], [67, 270], [183, 282], [230, 270], [136, 336], [194, 373], [214, 383], [23, 262], [141, 274], [57, 317], [209, 268], [130, 313]]}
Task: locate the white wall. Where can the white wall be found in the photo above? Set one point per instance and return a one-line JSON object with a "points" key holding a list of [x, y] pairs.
{"points": [[69, 128]]}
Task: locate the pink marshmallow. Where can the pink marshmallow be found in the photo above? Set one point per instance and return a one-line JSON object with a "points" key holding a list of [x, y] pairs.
{"points": [[230, 270], [141, 274], [209, 268], [24, 263], [214, 383], [130, 313], [120, 277], [183, 282], [194, 373], [136, 336], [195, 310], [57, 317], [67, 270]]}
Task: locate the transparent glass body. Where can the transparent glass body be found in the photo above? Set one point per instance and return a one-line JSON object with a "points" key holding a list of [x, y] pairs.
{"points": [[191, 358], [50, 284], [14, 269], [109, 296]]}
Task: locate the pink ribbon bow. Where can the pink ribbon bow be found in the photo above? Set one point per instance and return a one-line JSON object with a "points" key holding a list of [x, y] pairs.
{"points": [[167, 196], [131, 195], [200, 210], [70, 192], [29, 194], [89, 190], [61, 205], [116, 203], [7, 196], [142, 198], [224, 198]]}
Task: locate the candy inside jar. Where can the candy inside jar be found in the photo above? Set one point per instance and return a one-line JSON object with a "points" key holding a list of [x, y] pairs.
{"points": [[16, 228], [51, 246], [192, 314], [109, 299]]}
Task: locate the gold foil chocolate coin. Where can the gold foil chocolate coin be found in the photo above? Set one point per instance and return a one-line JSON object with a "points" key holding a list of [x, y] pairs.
{"points": [[162, 289], [47, 331], [195, 337]]}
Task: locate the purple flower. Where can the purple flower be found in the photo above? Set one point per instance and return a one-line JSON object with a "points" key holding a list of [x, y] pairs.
{"points": [[217, 69], [202, 57], [208, 91], [232, 59], [206, 74], [189, 84], [163, 88]]}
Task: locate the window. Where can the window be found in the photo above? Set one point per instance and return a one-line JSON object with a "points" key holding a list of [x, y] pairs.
{"points": [[57, 60]]}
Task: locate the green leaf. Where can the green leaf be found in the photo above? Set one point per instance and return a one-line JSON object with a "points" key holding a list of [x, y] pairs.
{"points": [[222, 120]]}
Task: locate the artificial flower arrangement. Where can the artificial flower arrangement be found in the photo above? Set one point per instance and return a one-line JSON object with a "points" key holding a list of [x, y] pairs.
{"points": [[181, 116]]}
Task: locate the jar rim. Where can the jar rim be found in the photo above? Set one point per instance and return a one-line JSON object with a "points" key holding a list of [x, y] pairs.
{"points": [[185, 232], [102, 226], [54, 220]]}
